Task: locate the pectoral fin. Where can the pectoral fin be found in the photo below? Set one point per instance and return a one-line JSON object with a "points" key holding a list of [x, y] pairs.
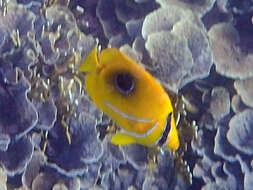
{"points": [[122, 139]]}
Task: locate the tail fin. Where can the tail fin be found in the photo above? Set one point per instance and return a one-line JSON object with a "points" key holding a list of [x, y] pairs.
{"points": [[91, 62]]}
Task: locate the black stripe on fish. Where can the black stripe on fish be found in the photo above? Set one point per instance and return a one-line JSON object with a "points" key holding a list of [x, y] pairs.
{"points": [[166, 131]]}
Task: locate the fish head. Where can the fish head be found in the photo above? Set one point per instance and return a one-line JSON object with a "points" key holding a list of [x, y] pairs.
{"points": [[124, 90]]}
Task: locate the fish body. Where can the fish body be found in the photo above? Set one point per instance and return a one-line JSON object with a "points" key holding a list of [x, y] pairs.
{"points": [[132, 98]]}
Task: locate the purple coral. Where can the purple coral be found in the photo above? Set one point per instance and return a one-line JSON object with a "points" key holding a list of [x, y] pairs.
{"points": [[123, 24], [177, 60], [84, 148], [223, 143], [244, 89], [240, 131], [229, 58], [220, 103], [13, 161], [18, 114], [17, 46], [170, 38], [60, 36], [33, 178], [46, 114], [199, 7]]}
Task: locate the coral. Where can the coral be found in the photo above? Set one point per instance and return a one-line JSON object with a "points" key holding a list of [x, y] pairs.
{"points": [[4, 142], [214, 171], [133, 27], [229, 58], [83, 151], [33, 168], [124, 23], [47, 112], [33, 178], [243, 88], [220, 103], [248, 181], [61, 35], [47, 181], [112, 157], [17, 48], [176, 60], [237, 104], [10, 23], [90, 178], [3, 180], [108, 19], [13, 161], [53, 137], [199, 7], [22, 115], [222, 5], [222, 146], [223, 143], [240, 131], [163, 19], [136, 171], [138, 161]]}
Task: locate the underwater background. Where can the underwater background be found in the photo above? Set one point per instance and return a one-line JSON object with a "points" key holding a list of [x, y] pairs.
{"points": [[53, 137]]}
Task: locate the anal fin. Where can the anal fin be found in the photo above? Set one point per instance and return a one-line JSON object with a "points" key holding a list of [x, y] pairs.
{"points": [[122, 139]]}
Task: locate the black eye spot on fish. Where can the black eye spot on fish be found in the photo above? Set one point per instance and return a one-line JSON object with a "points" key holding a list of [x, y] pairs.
{"points": [[124, 83]]}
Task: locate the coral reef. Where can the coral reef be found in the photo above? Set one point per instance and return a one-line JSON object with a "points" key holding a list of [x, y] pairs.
{"points": [[22, 115], [229, 59], [177, 44], [3, 178], [199, 7], [53, 137]]}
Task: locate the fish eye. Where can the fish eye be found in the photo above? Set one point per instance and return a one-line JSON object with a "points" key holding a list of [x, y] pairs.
{"points": [[124, 83]]}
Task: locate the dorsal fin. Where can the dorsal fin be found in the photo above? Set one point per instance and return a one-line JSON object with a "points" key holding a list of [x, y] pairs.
{"points": [[91, 62]]}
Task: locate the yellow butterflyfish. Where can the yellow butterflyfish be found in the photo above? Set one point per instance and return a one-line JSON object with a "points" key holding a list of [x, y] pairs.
{"points": [[134, 99]]}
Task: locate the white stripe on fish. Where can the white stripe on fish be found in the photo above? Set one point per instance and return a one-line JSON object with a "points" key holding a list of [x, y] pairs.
{"points": [[130, 117], [141, 135]]}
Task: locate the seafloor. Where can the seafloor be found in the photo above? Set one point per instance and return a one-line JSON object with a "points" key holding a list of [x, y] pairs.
{"points": [[53, 137]]}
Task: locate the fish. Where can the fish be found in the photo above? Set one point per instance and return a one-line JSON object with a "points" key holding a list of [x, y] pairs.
{"points": [[132, 98]]}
